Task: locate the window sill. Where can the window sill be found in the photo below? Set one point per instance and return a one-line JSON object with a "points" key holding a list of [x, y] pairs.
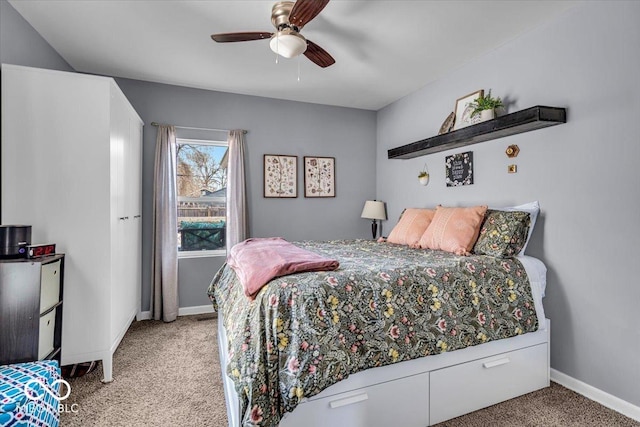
{"points": [[202, 254]]}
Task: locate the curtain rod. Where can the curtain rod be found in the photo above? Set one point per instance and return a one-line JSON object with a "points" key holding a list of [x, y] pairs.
{"points": [[194, 128]]}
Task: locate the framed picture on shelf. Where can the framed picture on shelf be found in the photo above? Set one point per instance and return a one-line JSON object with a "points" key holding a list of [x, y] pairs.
{"points": [[319, 176], [463, 110], [280, 176]]}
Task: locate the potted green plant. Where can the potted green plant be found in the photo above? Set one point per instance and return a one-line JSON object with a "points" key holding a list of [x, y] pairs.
{"points": [[485, 106], [423, 177]]}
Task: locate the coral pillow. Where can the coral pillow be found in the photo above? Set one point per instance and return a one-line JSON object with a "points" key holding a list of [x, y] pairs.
{"points": [[411, 226], [453, 229]]}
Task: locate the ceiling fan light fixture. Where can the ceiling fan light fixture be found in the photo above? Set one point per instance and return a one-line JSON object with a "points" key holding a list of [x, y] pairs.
{"points": [[288, 43]]}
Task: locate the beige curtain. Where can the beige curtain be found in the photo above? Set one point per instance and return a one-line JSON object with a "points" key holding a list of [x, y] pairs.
{"points": [[237, 222], [164, 302]]}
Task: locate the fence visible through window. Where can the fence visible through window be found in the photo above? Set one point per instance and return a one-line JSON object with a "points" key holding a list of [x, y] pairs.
{"points": [[201, 186]]}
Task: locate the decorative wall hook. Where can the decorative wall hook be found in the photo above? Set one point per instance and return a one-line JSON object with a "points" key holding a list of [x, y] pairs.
{"points": [[512, 151]]}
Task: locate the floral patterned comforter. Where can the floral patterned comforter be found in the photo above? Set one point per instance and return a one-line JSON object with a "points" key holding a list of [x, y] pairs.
{"points": [[385, 304]]}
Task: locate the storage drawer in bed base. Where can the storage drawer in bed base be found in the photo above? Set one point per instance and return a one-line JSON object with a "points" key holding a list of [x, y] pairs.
{"points": [[387, 404], [464, 388], [422, 391]]}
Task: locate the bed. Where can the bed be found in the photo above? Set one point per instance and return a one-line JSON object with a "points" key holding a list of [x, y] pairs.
{"points": [[395, 334]]}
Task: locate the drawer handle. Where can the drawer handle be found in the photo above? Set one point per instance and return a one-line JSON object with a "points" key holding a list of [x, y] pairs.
{"points": [[495, 363], [348, 400]]}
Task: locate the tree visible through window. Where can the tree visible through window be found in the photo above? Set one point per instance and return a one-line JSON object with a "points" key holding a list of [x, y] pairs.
{"points": [[202, 200]]}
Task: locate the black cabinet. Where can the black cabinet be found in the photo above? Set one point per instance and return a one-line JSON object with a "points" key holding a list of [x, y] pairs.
{"points": [[31, 309]]}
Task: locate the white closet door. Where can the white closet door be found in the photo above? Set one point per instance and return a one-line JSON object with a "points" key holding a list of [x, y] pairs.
{"points": [[134, 196], [120, 252]]}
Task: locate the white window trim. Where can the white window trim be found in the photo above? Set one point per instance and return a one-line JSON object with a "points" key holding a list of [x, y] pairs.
{"points": [[205, 253], [202, 254], [186, 141]]}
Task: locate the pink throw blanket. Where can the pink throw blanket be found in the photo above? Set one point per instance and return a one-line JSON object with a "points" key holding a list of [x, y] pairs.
{"points": [[257, 261]]}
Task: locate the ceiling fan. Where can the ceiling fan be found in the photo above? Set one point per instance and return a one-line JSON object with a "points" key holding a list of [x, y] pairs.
{"points": [[288, 18]]}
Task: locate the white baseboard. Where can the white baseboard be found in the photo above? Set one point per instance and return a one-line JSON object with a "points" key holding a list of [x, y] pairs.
{"points": [[199, 309], [604, 398], [182, 311]]}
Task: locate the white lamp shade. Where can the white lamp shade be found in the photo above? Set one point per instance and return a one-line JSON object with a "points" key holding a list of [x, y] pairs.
{"points": [[374, 209], [288, 43]]}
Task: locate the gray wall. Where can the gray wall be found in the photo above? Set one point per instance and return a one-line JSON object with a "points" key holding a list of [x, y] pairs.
{"points": [[584, 173], [274, 127], [21, 44]]}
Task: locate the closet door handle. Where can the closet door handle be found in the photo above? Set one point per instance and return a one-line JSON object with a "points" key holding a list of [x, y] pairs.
{"points": [[348, 400], [122, 218], [495, 363], [137, 216]]}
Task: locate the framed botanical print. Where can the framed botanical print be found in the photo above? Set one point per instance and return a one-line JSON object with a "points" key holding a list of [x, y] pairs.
{"points": [[319, 176], [280, 176]]}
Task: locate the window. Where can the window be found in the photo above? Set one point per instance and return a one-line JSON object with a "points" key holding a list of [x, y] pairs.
{"points": [[201, 184]]}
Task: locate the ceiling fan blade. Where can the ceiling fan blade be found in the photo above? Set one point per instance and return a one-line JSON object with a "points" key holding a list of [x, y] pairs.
{"points": [[318, 55], [240, 37], [304, 11]]}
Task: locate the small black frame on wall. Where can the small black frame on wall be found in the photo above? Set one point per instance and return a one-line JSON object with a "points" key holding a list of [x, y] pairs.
{"points": [[459, 169]]}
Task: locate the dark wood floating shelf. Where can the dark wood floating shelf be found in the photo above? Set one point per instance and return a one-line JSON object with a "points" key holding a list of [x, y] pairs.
{"points": [[510, 124]]}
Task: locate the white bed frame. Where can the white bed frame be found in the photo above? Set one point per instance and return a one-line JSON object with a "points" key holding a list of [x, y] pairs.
{"points": [[419, 392]]}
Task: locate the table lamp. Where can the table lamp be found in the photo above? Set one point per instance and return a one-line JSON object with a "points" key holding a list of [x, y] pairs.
{"points": [[374, 210]]}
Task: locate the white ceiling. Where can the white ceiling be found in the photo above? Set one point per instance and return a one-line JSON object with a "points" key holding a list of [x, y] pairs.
{"points": [[384, 50]]}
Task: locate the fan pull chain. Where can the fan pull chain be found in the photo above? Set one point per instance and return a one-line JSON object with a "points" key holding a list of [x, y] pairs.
{"points": [[299, 67], [277, 47]]}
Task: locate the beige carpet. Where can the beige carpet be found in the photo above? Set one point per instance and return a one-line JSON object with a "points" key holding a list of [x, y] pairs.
{"points": [[167, 374]]}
